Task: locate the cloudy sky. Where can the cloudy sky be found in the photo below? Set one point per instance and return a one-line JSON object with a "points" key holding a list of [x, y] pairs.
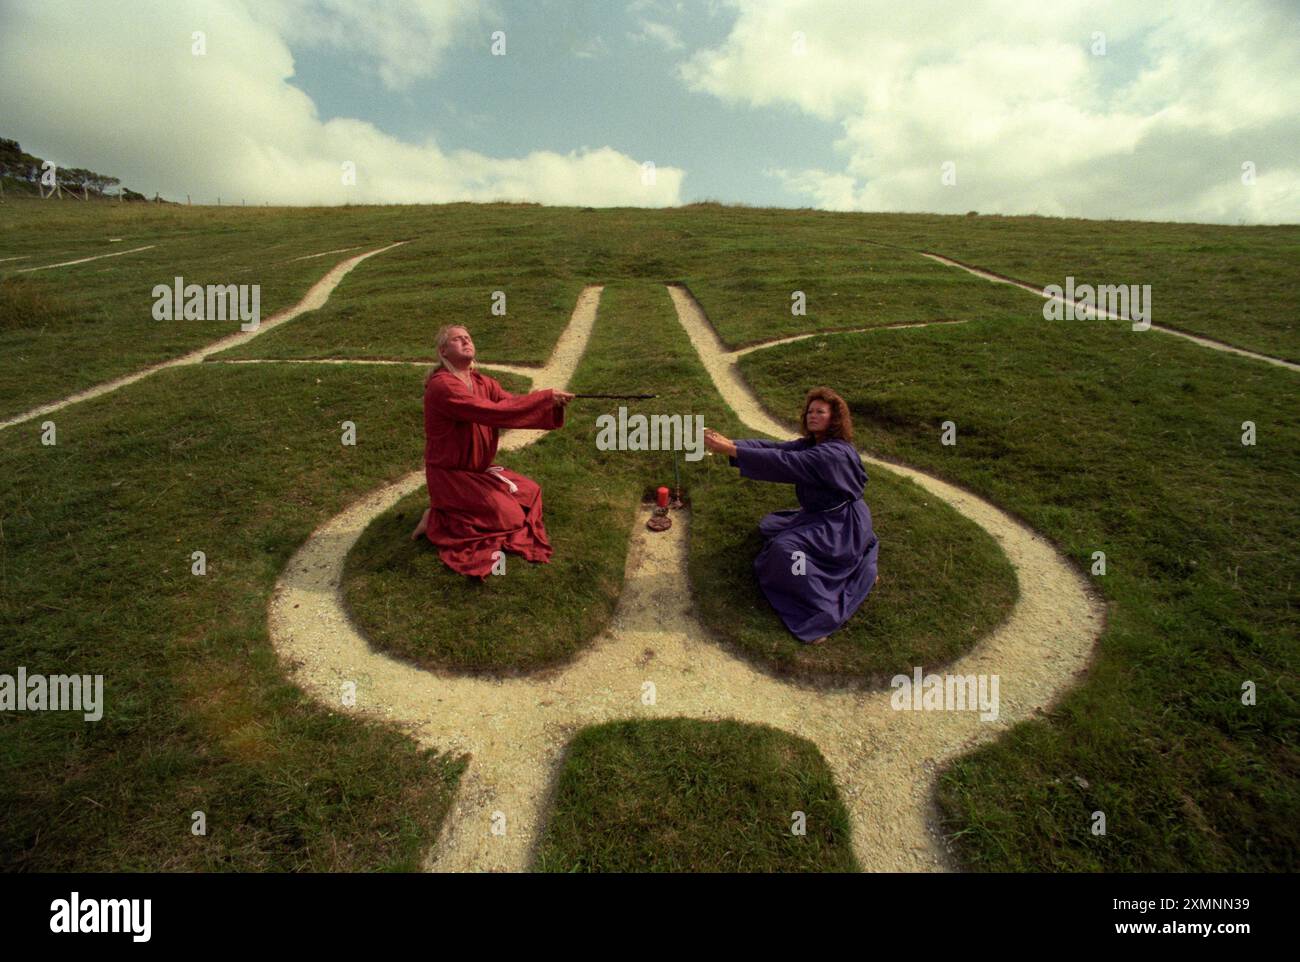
{"points": [[1178, 110]]}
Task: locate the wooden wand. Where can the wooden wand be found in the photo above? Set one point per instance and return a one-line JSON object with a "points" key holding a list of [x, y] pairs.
{"points": [[630, 396]]}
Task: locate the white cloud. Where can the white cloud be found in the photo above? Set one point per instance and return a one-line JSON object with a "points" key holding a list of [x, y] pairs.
{"points": [[592, 49], [659, 33], [661, 7], [129, 98], [826, 190], [1011, 93], [402, 40]]}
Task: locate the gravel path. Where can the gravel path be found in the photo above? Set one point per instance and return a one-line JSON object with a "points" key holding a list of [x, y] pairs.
{"points": [[84, 260], [857, 330], [313, 299], [308, 257], [523, 370], [1195, 339], [515, 730]]}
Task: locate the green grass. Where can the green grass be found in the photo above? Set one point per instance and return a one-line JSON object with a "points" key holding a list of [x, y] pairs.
{"points": [[69, 328], [681, 795], [858, 270], [93, 321], [1233, 284], [1098, 437], [847, 284], [1105, 440], [394, 308], [97, 533], [942, 584], [409, 603]]}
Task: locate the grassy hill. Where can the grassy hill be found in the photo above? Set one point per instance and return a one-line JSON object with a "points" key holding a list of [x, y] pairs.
{"points": [[1099, 437]]}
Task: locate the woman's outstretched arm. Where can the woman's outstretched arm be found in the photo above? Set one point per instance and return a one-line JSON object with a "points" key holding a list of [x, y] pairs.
{"points": [[765, 443], [723, 445], [811, 465]]}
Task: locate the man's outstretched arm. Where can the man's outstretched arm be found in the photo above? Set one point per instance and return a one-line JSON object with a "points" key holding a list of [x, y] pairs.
{"points": [[538, 409]]}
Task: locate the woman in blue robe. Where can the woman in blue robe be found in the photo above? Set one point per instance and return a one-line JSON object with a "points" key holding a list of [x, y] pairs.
{"points": [[817, 564]]}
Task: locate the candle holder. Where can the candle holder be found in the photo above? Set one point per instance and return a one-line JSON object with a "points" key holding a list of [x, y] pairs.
{"points": [[659, 520]]}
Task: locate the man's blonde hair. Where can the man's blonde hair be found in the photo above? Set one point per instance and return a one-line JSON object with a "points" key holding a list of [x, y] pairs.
{"points": [[439, 342]]}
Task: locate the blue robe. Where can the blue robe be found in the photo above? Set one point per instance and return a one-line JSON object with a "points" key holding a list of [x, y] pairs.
{"points": [[833, 531]]}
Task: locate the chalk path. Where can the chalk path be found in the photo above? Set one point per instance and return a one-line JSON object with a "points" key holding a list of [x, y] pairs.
{"points": [[515, 729], [523, 370], [313, 299], [82, 260], [308, 257], [1195, 339], [857, 330]]}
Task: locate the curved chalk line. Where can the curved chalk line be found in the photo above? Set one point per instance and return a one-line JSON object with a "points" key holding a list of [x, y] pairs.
{"points": [[308, 257], [313, 299], [515, 729], [523, 370], [82, 260], [763, 346], [1194, 338]]}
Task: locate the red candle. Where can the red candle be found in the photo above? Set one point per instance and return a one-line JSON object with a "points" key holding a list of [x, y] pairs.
{"points": [[663, 497]]}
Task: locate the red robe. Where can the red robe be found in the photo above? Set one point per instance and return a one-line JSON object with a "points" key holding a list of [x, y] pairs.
{"points": [[473, 512]]}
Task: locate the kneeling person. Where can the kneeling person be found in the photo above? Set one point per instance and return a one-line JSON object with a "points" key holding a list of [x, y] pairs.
{"points": [[477, 508], [817, 591]]}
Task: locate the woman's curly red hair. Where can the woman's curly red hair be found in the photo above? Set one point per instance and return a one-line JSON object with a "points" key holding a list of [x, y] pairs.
{"points": [[841, 425]]}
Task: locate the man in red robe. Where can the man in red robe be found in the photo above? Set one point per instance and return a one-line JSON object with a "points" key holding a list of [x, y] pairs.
{"points": [[477, 508]]}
